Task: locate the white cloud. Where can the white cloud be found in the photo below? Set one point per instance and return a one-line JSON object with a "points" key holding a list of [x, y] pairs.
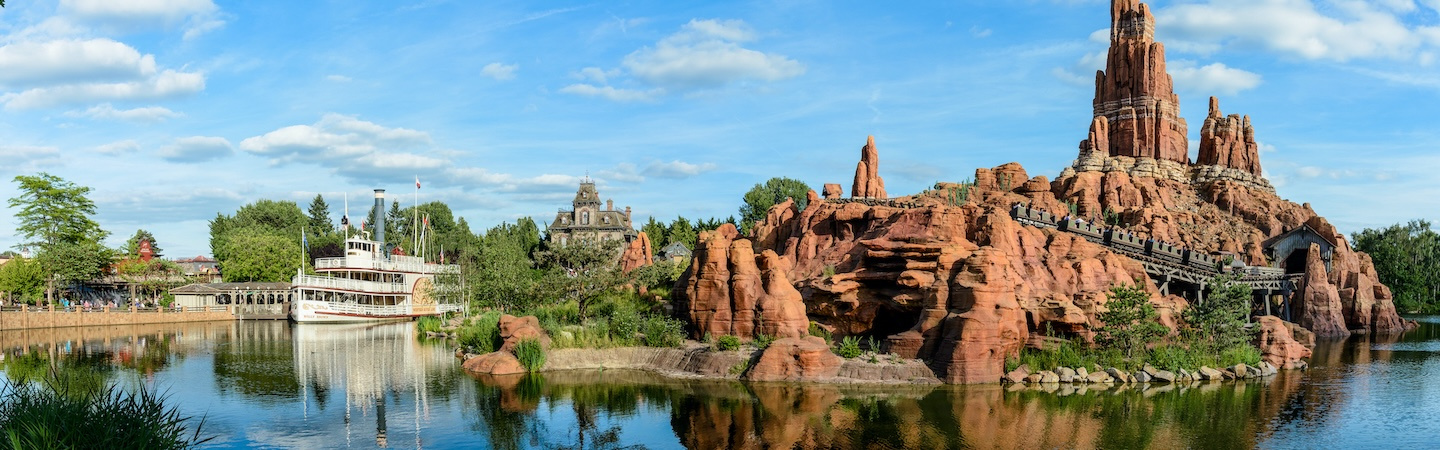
{"points": [[596, 74], [543, 187], [196, 149], [1339, 31], [118, 148], [676, 169], [197, 16], [498, 71], [980, 32], [26, 158], [149, 114], [350, 147], [167, 84], [1214, 78], [24, 64], [610, 92], [707, 54], [623, 172]]}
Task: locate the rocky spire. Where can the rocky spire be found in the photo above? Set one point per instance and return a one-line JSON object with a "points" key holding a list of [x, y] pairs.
{"points": [[867, 173], [1228, 141], [1134, 92]]}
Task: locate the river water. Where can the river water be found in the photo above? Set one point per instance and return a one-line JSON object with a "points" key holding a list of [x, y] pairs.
{"points": [[271, 384]]}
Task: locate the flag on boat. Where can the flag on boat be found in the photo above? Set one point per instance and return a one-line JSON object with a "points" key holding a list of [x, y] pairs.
{"points": [[417, 182]]}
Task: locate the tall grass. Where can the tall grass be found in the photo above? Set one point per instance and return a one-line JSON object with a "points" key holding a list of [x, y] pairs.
{"points": [[51, 414], [429, 324], [482, 335], [531, 354]]}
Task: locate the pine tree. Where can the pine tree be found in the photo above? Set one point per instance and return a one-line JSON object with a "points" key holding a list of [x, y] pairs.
{"points": [[1130, 320], [320, 216]]}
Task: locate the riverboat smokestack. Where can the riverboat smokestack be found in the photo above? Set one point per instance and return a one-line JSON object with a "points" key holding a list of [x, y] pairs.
{"points": [[379, 215]]}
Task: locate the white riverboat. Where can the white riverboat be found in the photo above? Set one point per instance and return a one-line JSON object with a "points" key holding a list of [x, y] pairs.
{"points": [[371, 284]]}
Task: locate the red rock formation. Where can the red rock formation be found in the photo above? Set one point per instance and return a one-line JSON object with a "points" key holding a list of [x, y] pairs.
{"points": [[868, 183], [1317, 303], [496, 363], [1278, 345], [833, 190], [515, 329], [1228, 141], [1134, 92], [725, 291], [637, 254], [796, 359]]}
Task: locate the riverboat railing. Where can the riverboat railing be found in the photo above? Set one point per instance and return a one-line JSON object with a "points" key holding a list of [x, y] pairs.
{"points": [[346, 284], [412, 264]]}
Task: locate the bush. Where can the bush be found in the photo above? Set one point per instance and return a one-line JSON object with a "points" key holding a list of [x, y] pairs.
{"points": [[664, 332], [49, 415], [849, 347], [728, 343], [1239, 354], [623, 326], [429, 324], [762, 341], [531, 354], [483, 334], [819, 331]]}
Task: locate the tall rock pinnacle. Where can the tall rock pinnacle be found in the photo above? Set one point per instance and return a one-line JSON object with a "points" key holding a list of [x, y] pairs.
{"points": [[868, 183], [1134, 93], [1228, 141]]}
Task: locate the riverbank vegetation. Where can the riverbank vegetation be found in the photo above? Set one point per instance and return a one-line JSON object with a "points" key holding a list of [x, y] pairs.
{"points": [[66, 407], [1213, 333], [1407, 259]]}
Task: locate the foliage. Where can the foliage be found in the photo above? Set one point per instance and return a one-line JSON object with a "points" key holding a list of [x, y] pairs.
{"points": [[498, 267], [49, 414], [53, 211], [151, 277], [319, 218], [819, 331], [1130, 320], [727, 343], [661, 274], [429, 324], [132, 246], [22, 280], [624, 325], [75, 262], [849, 347], [682, 231], [257, 254], [960, 195], [761, 198], [582, 271], [1407, 259], [531, 354], [482, 335], [664, 332], [762, 341], [1219, 321]]}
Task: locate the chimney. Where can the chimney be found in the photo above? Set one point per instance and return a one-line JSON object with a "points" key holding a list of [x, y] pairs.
{"points": [[610, 205], [379, 214]]}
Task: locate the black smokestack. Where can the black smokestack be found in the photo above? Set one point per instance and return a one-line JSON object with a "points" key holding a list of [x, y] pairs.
{"points": [[380, 215]]}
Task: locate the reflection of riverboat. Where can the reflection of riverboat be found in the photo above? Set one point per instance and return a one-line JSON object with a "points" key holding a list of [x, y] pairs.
{"points": [[370, 283]]}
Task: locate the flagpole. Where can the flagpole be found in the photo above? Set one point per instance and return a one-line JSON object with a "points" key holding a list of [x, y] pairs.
{"points": [[415, 236]]}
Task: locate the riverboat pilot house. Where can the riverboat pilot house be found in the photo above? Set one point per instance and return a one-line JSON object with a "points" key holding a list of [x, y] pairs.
{"points": [[587, 220]]}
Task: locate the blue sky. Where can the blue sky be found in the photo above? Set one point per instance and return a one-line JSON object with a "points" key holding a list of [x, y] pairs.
{"points": [[175, 110]]}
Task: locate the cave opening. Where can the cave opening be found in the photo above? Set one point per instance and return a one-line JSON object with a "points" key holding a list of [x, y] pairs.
{"points": [[889, 321]]}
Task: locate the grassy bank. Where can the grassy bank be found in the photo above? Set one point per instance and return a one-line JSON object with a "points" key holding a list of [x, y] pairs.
{"points": [[57, 413]]}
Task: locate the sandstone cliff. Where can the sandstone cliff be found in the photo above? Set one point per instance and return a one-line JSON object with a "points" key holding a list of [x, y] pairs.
{"points": [[637, 254]]}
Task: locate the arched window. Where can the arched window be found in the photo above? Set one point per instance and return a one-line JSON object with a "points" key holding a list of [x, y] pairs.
{"points": [[585, 218]]}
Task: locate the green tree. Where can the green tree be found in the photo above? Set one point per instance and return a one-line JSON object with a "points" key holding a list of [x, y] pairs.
{"points": [[278, 220], [320, 223], [69, 263], [1130, 320], [1220, 320], [582, 270], [1407, 259], [258, 254], [132, 246], [22, 280], [498, 267], [656, 231], [54, 211], [680, 230], [761, 198]]}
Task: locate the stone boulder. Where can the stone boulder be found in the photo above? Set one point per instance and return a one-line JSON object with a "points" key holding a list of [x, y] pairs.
{"points": [[495, 363], [868, 183], [796, 359], [637, 254], [515, 329], [1277, 344]]}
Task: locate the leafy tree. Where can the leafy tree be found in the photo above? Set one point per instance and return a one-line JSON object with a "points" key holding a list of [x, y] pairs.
{"points": [[132, 246], [582, 271], [22, 280], [258, 254], [656, 231], [1130, 320], [151, 277], [1220, 319], [69, 263], [54, 211], [775, 190], [498, 267], [320, 216], [1407, 259]]}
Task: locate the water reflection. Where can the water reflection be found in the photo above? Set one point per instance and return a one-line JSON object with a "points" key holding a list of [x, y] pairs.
{"points": [[274, 384]]}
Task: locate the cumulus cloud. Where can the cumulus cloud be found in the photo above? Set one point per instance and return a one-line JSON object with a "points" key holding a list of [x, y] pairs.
{"points": [[71, 71], [118, 148], [167, 84], [196, 149], [623, 172], [1211, 78], [1338, 32], [196, 16], [704, 54], [348, 146], [543, 186], [611, 93], [27, 158], [676, 169], [707, 54], [500, 72], [106, 111]]}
